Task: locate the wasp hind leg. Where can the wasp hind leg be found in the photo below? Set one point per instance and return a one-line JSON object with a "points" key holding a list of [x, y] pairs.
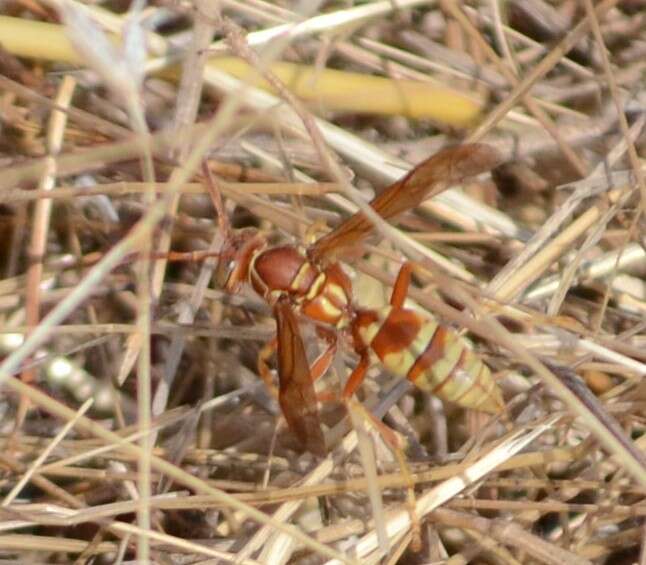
{"points": [[322, 363], [394, 442], [357, 376], [400, 290]]}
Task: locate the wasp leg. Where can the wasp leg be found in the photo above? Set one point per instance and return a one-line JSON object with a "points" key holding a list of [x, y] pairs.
{"points": [[393, 440], [400, 290], [319, 367], [357, 376], [324, 360], [411, 502], [262, 364]]}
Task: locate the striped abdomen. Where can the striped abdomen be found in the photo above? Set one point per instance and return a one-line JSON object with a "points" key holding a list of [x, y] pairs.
{"points": [[322, 295], [430, 355]]}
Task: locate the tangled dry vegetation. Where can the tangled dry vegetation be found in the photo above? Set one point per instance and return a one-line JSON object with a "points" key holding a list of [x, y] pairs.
{"points": [[134, 425]]}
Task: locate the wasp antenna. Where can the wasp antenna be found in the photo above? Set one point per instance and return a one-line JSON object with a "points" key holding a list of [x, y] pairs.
{"points": [[188, 256], [216, 197]]}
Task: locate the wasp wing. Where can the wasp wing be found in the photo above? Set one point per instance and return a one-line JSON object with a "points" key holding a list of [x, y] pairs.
{"points": [[436, 174], [296, 395]]}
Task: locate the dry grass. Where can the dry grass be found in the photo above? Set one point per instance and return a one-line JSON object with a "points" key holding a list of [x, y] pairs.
{"points": [[134, 426]]}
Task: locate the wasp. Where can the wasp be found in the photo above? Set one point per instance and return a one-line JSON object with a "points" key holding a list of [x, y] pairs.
{"points": [[310, 282]]}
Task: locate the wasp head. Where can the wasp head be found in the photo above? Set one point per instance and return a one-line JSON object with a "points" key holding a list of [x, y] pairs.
{"points": [[236, 257]]}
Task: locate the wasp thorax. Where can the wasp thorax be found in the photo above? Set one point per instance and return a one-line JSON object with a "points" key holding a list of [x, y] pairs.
{"points": [[282, 269]]}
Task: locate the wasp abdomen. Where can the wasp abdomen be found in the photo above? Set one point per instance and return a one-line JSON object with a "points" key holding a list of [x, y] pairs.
{"points": [[430, 355]]}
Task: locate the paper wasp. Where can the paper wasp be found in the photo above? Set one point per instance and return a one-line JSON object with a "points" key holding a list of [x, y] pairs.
{"points": [[310, 282]]}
